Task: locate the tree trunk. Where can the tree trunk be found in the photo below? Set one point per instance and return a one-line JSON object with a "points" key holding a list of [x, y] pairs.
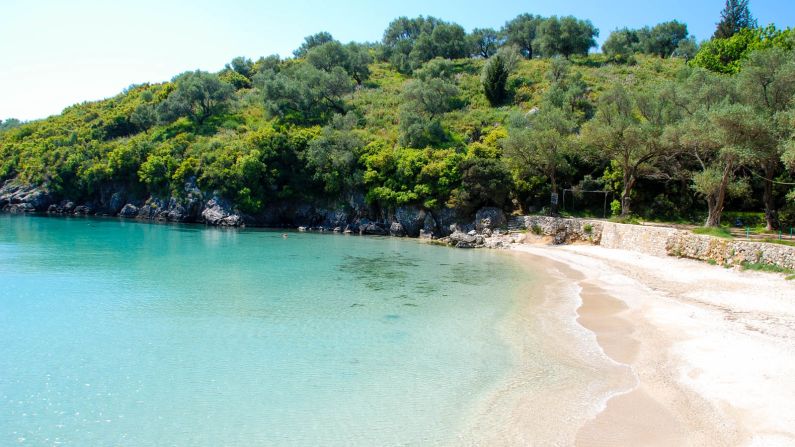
{"points": [[626, 206], [715, 201], [771, 216], [554, 208]]}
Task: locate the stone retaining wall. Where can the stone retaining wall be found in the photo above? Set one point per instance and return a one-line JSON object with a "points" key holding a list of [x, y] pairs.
{"points": [[660, 241]]}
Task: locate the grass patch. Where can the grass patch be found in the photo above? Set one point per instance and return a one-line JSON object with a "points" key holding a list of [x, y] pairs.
{"points": [[720, 232], [712, 262], [537, 230], [771, 268], [631, 219], [770, 240], [588, 228]]}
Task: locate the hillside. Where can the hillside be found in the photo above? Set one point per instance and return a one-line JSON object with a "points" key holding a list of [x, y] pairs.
{"points": [[342, 133]]}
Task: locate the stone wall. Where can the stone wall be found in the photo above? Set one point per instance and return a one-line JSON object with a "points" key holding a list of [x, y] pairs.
{"points": [[563, 231], [657, 241]]}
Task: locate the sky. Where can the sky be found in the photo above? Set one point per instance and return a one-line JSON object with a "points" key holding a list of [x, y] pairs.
{"points": [[55, 53]]}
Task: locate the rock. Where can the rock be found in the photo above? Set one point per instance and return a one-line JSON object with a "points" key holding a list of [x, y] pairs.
{"points": [[219, 212], [83, 210], [372, 229], [487, 232], [426, 234], [443, 221], [116, 202], [490, 218], [412, 219], [479, 240], [396, 229], [129, 211], [459, 236], [302, 229], [347, 230], [472, 233], [337, 229], [18, 197], [20, 208]]}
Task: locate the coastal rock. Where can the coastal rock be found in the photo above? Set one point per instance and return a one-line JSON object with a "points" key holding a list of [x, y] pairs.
{"points": [[219, 212], [129, 211], [490, 218], [372, 229], [412, 219], [84, 210], [396, 229], [459, 237], [443, 220], [117, 202], [18, 197]]}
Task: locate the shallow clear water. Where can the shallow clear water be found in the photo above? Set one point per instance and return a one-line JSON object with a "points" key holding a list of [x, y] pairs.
{"points": [[133, 334]]}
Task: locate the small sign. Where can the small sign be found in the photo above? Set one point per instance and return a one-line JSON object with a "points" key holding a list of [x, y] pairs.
{"points": [[554, 198]]}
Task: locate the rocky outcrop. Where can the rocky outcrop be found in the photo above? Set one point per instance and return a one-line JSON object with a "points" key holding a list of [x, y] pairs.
{"points": [[396, 230], [372, 228], [219, 212], [129, 211], [17, 197], [412, 219], [489, 218]]}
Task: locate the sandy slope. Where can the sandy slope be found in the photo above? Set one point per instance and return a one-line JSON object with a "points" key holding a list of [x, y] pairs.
{"points": [[712, 350]]}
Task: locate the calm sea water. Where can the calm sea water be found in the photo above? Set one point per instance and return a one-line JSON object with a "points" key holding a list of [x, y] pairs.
{"points": [[133, 334]]}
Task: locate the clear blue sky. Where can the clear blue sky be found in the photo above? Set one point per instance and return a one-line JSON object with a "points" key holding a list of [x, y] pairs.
{"points": [[54, 53]]}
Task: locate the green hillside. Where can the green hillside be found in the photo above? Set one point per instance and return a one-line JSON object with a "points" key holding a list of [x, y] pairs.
{"points": [[419, 120]]}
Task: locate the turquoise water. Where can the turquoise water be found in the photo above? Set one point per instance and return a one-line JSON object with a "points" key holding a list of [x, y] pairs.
{"points": [[132, 334]]}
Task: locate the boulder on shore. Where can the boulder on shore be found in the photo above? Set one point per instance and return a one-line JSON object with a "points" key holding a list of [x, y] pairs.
{"points": [[219, 212]]}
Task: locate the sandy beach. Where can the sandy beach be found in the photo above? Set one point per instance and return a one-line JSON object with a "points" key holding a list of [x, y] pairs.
{"points": [[710, 352]]}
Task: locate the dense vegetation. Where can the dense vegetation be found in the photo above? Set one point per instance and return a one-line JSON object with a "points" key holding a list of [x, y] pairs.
{"points": [[437, 117]]}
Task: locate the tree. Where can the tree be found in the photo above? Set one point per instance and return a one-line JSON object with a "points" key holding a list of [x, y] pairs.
{"points": [[328, 55], [767, 83], [358, 62], [425, 100], [305, 94], [735, 16], [484, 182], [495, 73], [621, 44], [484, 42], [334, 154], [567, 91], [539, 144], [686, 49], [9, 123], [313, 41], [627, 129], [663, 39], [522, 32], [707, 133], [408, 43], [565, 36], [242, 66], [727, 55], [198, 95]]}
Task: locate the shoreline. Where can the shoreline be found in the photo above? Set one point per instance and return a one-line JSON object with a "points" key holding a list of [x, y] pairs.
{"points": [[672, 322]]}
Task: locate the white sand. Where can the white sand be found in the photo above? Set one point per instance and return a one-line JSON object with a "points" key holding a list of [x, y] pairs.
{"points": [[713, 349]]}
